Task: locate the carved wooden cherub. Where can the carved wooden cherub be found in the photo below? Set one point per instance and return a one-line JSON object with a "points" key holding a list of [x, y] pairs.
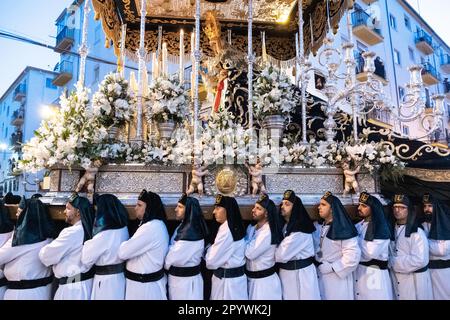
{"points": [[256, 172], [196, 183], [89, 178], [350, 181]]}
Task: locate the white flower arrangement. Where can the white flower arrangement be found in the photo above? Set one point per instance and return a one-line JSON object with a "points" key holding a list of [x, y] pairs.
{"points": [[112, 103], [273, 94], [168, 100]]}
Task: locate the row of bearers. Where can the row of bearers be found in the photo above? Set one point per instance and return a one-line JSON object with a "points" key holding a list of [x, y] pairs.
{"points": [[281, 256]]}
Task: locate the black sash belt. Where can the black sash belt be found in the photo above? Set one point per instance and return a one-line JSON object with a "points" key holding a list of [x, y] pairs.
{"points": [[3, 282], [78, 277], [229, 273], [374, 263], [297, 264], [260, 274], [110, 269], [184, 271], [422, 269], [29, 284], [144, 277], [439, 264]]}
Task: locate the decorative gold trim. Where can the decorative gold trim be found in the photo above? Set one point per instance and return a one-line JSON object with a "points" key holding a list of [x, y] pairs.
{"points": [[429, 175]]}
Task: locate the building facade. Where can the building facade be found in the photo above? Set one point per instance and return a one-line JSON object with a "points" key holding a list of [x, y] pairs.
{"points": [[400, 38], [21, 111]]}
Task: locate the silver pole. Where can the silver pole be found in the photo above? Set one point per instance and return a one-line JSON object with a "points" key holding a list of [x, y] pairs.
{"points": [[302, 68], [197, 56], [251, 60], [141, 55], [83, 50]]}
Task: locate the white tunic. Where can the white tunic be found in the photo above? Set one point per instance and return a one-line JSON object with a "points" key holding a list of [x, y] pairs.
{"points": [[301, 284], [64, 254], [372, 283], [184, 253], [343, 255], [22, 263], [102, 250], [439, 250], [408, 255], [3, 238], [426, 228], [226, 253], [260, 254], [145, 253]]}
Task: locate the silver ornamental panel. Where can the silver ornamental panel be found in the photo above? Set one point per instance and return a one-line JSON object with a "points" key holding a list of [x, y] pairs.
{"points": [[159, 182], [305, 183], [69, 180], [54, 180]]}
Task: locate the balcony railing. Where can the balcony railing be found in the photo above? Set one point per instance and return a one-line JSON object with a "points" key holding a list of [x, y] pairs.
{"points": [[64, 70], [446, 87], [17, 117], [20, 92], [429, 74], [64, 39], [445, 63], [16, 140], [380, 70], [361, 18], [424, 42]]}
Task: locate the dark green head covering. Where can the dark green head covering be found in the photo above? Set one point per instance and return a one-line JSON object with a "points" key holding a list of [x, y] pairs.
{"points": [[300, 221], [11, 199], [6, 224], [155, 207], [275, 222], [86, 214], [111, 214], [378, 227], [34, 224], [440, 219], [234, 217], [342, 227], [193, 227]]}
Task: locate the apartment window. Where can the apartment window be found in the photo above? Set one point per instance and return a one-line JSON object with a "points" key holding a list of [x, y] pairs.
{"points": [[97, 34], [7, 111], [393, 22], [412, 55], [407, 23], [96, 73], [49, 84], [401, 92], [405, 130], [397, 58], [6, 132]]}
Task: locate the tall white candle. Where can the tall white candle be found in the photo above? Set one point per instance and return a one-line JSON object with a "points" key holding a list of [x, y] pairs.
{"points": [[164, 60], [181, 56]]}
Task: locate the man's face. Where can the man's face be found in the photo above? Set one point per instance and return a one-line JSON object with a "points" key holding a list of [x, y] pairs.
{"points": [[220, 214], [139, 209], [428, 208], [364, 211], [259, 213], [324, 210], [72, 214], [400, 212], [180, 211], [286, 209]]}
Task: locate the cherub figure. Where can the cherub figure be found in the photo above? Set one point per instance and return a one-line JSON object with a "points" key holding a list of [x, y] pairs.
{"points": [[350, 181], [196, 183], [89, 178], [256, 172]]}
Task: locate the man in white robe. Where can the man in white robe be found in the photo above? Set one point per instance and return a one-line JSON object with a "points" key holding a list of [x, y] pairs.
{"points": [[64, 253], [372, 279], [295, 254], [6, 231], [226, 256], [28, 278], [409, 254], [186, 251], [339, 252], [146, 250], [437, 222], [262, 240], [109, 232]]}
